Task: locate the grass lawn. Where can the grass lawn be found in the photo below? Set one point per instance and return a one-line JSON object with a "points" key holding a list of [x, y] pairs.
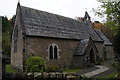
{"points": [[9, 69], [110, 75], [71, 70]]}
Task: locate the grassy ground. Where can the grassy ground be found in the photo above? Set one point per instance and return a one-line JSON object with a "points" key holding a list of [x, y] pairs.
{"points": [[71, 70], [9, 69], [110, 75]]}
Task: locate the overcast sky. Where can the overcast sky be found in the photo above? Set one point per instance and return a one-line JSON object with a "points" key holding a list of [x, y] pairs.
{"points": [[68, 8]]}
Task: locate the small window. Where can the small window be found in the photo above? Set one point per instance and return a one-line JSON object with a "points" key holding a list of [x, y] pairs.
{"points": [[53, 51], [15, 39]]}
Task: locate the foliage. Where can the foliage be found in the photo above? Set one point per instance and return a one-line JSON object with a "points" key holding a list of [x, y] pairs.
{"points": [[68, 70], [9, 69], [6, 35], [35, 64], [5, 25], [117, 43], [52, 69], [110, 8], [12, 22], [117, 75]]}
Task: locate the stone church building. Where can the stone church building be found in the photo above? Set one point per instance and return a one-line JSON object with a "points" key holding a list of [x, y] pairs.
{"points": [[59, 40]]}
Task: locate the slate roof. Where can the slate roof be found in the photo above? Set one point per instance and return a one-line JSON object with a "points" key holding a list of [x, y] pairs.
{"points": [[41, 23], [102, 35], [81, 47]]}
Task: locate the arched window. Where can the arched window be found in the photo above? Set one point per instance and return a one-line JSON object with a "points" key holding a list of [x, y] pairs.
{"points": [[55, 53], [51, 52]]}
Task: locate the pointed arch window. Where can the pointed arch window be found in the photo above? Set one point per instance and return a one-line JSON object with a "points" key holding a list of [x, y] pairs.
{"points": [[53, 52]]}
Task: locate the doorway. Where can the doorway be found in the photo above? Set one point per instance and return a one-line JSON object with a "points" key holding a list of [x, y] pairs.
{"points": [[92, 56]]}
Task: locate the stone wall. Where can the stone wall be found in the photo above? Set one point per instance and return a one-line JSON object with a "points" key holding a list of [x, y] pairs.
{"points": [[109, 52], [42, 76], [99, 46], [79, 61], [17, 57], [39, 46]]}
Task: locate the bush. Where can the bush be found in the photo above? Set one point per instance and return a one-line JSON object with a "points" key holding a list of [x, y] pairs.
{"points": [[52, 69], [113, 64], [35, 64]]}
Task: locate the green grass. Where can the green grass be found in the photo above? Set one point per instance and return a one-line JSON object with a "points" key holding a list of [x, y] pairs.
{"points": [[9, 69], [71, 70], [105, 61], [110, 75]]}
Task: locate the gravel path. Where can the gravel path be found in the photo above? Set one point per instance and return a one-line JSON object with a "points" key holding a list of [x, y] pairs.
{"points": [[95, 72], [98, 71]]}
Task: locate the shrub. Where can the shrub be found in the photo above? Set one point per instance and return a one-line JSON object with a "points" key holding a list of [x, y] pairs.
{"points": [[113, 64], [53, 68], [35, 64]]}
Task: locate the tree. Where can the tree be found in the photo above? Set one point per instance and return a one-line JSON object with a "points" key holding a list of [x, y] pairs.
{"points": [[12, 22], [112, 11], [6, 35], [110, 8]]}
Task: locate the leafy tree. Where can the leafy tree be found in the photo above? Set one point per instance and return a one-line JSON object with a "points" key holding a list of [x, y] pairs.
{"points": [[12, 22], [117, 44], [111, 9], [6, 35]]}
